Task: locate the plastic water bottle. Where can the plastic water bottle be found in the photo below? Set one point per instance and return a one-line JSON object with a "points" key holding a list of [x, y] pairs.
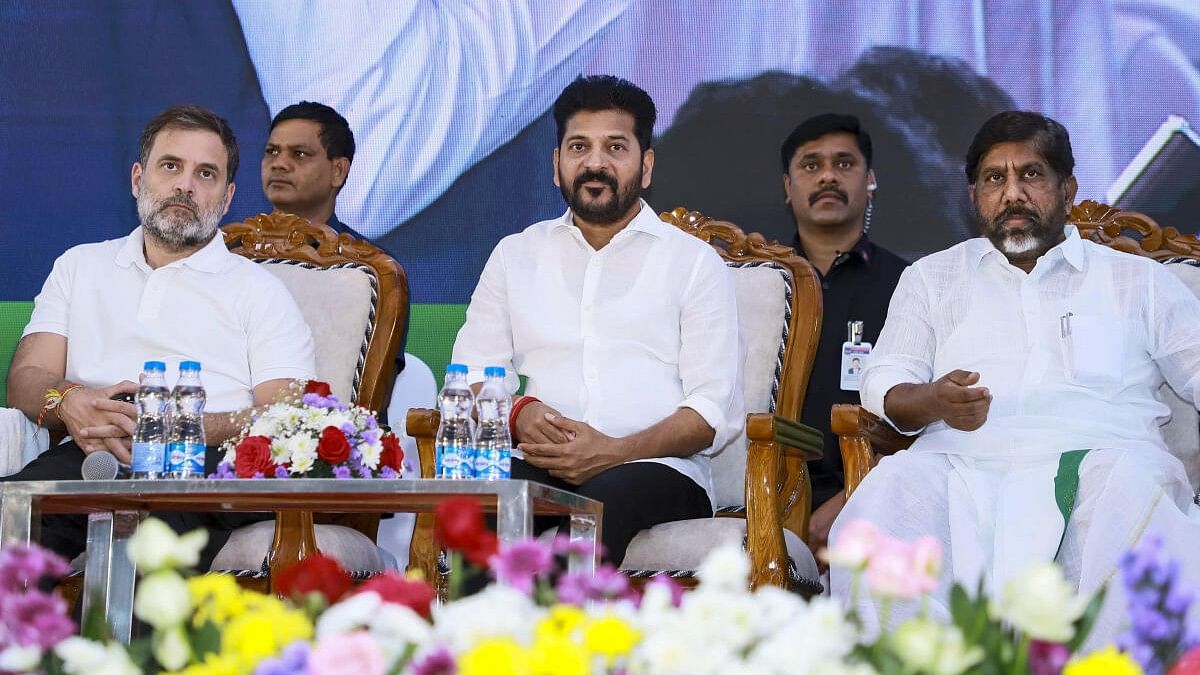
{"points": [[493, 441], [150, 436], [455, 458], [186, 447]]}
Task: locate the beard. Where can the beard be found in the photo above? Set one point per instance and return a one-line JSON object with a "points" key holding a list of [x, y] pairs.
{"points": [[177, 230], [607, 212], [1030, 242]]}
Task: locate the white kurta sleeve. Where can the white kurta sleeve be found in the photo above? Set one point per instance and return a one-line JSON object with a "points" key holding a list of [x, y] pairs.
{"points": [[486, 337], [906, 345], [1173, 325]]}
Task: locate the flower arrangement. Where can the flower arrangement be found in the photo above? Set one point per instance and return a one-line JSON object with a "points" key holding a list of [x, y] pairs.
{"points": [[536, 619], [313, 435]]}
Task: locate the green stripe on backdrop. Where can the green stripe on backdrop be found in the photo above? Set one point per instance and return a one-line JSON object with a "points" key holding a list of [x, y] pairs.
{"points": [[13, 317], [431, 332]]}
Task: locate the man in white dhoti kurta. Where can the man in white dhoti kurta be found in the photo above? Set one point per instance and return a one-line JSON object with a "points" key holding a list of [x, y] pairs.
{"points": [[1027, 361]]}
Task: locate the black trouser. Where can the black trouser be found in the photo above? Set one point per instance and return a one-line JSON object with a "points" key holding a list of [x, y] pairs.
{"points": [[66, 534], [636, 496]]}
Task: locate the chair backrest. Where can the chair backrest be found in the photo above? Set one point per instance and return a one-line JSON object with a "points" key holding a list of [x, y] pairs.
{"points": [[779, 320], [353, 296], [1138, 234]]}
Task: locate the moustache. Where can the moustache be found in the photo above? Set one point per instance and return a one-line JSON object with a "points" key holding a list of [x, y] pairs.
{"points": [[837, 192], [1016, 212], [180, 200], [597, 176]]}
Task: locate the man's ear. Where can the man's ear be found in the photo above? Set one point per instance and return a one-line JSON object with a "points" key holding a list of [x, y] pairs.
{"points": [[787, 193], [647, 167], [1070, 187], [341, 171], [229, 190], [135, 179], [971, 196], [555, 162]]}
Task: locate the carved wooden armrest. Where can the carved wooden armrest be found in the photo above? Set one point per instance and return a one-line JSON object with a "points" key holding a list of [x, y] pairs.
{"points": [[778, 492], [422, 424], [861, 436]]}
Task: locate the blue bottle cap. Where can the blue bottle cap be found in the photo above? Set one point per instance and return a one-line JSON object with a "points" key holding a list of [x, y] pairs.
{"points": [[189, 365], [155, 365], [456, 368], [493, 371]]}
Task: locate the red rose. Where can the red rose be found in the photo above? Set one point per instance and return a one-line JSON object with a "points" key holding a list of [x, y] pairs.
{"points": [[393, 454], [1188, 664], [317, 387], [254, 457], [458, 526], [400, 590], [315, 574], [333, 446]]}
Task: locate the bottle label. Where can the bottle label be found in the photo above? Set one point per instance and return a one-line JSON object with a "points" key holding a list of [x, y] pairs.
{"points": [[148, 457], [185, 458], [454, 461]]}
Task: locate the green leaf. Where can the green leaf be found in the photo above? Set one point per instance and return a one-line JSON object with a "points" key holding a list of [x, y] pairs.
{"points": [[95, 626], [206, 640], [139, 651], [1084, 624]]}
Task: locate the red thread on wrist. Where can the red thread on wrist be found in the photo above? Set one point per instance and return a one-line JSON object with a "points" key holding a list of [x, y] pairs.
{"points": [[516, 410]]}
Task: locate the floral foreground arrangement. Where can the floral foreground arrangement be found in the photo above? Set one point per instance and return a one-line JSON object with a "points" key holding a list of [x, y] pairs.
{"points": [[311, 434], [538, 620]]}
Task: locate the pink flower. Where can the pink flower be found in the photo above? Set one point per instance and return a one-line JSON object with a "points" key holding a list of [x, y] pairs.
{"points": [[670, 585], [519, 563], [23, 565], [347, 653], [34, 618], [890, 571], [927, 563], [855, 544], [1047, 658], [577, 588]]}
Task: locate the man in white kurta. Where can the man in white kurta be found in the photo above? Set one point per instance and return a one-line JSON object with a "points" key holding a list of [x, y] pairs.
{"points": [[1028, 362]]}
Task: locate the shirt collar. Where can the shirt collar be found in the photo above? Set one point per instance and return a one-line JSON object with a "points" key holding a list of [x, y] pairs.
{"points": [[1069, 249], [645, 221], [863, 249], [212, 258]]}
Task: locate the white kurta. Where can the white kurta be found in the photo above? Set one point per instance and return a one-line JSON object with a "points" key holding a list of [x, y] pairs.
{"points": [[1073, 354]]}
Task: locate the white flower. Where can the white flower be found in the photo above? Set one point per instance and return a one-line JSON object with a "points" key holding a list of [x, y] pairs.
{"points": [[155, 546], [20, 658], [370, 454], [1040, 603], [394, 627], [928, 647], [495, 612], [302, 446], [84, 657], [725, 567], [303, 456], [279, 451], [163, 600], [171, 648], [349, 615]]}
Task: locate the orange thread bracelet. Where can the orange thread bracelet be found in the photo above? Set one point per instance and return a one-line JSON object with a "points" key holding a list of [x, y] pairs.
{"points": [[54, 398]]}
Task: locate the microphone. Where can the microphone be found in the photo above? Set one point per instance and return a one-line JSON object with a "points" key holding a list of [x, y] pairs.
{"points": [[103, 465]]}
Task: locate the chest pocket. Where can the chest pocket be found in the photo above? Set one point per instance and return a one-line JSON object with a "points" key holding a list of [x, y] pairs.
{"points": [[1093, 349]]}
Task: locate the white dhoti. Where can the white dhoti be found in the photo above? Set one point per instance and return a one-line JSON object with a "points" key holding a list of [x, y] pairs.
{"points": [[995, 518]]}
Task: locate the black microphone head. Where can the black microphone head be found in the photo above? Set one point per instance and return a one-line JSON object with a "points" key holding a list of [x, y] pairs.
{"points": [[102, 465]]}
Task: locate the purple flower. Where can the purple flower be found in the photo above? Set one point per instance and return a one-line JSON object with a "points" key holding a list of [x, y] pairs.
{"points": [[1047, 658], [577, 588], [293, 661], [341, 471], [22, 565], [438, 662], [564, 545], [225, 470], [371, 422], [348, 429], [520, 563], [1157, 606], [370, 437], [34, 618], [388, 473], [282, 472]]}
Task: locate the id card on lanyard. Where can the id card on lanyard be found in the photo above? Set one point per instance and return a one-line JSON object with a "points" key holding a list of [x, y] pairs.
{"points": [[854, 356]]}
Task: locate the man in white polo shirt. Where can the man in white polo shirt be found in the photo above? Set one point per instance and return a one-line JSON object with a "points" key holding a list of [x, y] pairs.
{"points": [[170, 291]]}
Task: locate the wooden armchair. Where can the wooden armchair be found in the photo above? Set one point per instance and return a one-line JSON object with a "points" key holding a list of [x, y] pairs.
{"points": [[354, 298], [762, 484], [863, 436]]}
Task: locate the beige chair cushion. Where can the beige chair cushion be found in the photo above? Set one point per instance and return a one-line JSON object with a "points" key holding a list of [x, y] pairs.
{"points": [[683, 544], [248, 546], [764, 307], [1182, 432], [338, 304]]}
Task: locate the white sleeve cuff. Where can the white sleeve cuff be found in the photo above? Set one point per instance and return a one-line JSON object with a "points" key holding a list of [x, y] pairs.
{"points": [[876, 384], [723, 430]]}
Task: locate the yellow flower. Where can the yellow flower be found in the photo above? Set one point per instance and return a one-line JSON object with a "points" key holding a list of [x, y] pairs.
{"points": [[263, 630], [214, 664], [558, 656], [494, 657], [561, 622], [610, 636], [217, 598], [1107, 661]]}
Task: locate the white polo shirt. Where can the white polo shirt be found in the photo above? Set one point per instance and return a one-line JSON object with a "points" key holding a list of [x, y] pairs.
{"points": [[215, 307]]}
